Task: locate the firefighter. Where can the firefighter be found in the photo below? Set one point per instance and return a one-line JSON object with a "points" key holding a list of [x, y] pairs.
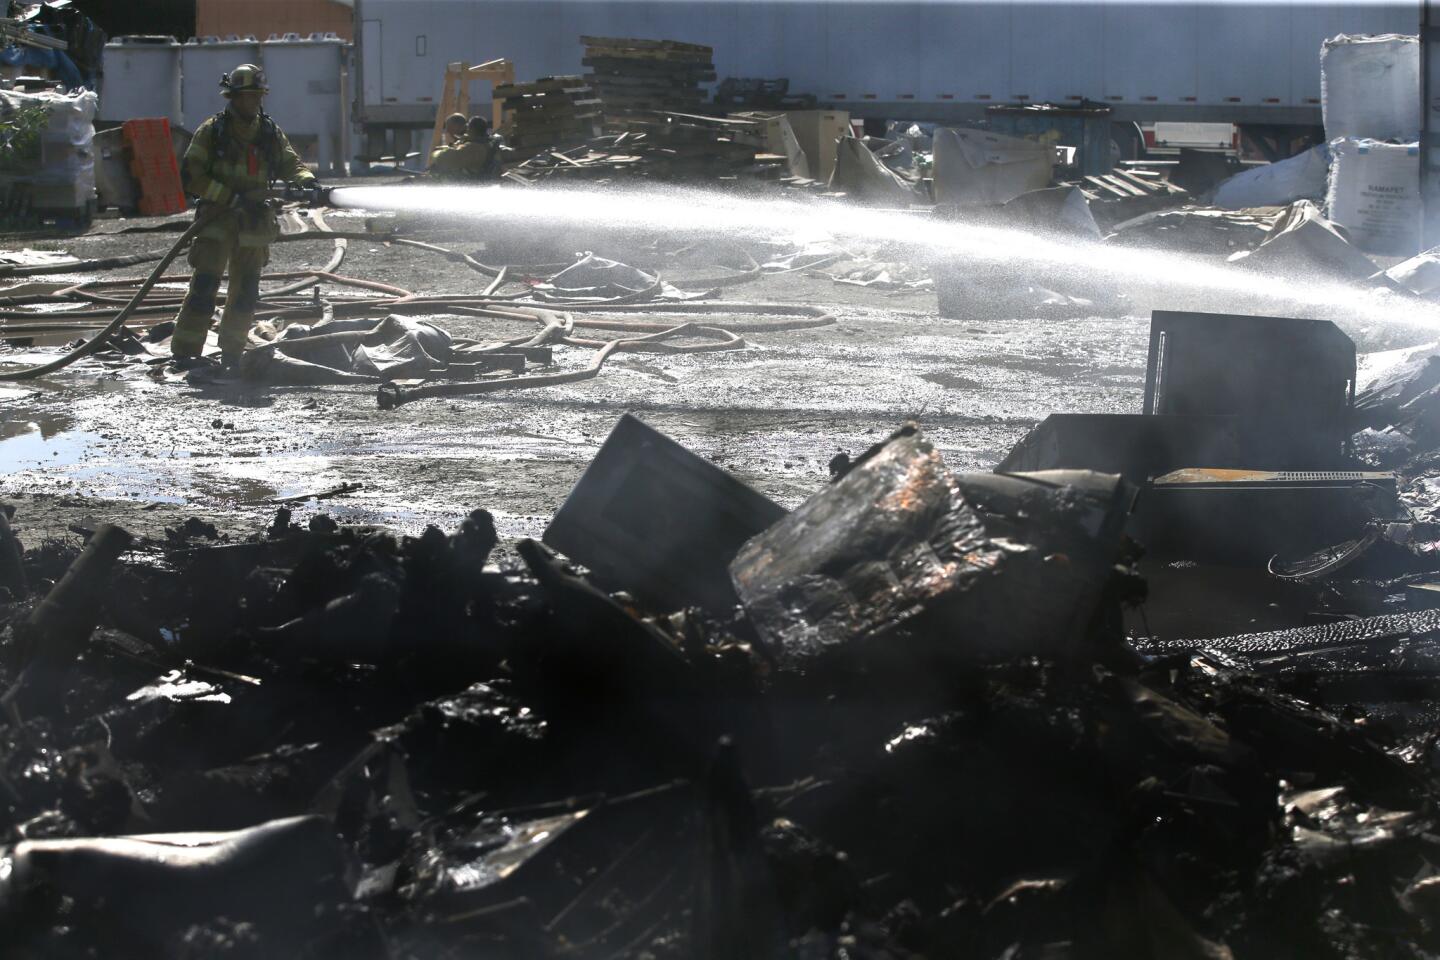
{"points": [[453, 133], [455, 125], [232, 160], [475, 158]]}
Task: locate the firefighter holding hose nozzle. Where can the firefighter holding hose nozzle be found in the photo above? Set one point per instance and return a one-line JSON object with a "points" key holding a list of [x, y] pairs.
{"points": [[231, 162]]}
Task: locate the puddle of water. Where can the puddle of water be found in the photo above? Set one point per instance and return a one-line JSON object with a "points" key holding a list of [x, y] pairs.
{"points": [[270, 476], [239, 490], [121, 481], [87, 376], [952, 381], [28, 446], [46, 425], [110, 384]]}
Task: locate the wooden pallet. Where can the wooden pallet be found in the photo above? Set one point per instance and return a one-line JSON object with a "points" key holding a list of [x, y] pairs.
{"points": [[579, 108], [1121, 184], [653, 51], [643, 67], [632, 43], [573, 85], [1124, 194], [550, 112], [634, 76]]}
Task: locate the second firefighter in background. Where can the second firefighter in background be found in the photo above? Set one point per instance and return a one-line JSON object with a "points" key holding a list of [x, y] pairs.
{"points": [[476, 156]]}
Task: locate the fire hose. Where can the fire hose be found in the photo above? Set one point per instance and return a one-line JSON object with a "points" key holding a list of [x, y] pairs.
{"points": [[95, 343], [557, 318], [392, 395], [653, 338], [99, 340]]}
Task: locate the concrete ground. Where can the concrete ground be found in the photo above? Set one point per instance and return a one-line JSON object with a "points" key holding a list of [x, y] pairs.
{"points": [[101, 442]]}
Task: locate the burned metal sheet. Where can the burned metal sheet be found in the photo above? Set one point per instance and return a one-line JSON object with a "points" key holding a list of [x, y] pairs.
{"points": [[650, 517], [520, 817], [1079, 512], [532, 854], [899, 536], [870, 552], [1135, 446], [1249, 516], [155, 884], [1339, 633]]}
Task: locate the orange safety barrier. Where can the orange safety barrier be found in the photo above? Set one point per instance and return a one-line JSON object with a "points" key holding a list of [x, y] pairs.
{"points": [[152, 161]]}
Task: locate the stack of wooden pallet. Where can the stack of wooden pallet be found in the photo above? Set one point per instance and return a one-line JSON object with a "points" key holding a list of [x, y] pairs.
{"points": [[1125, 193], [672, 147], [635, 76], [552, 112]]}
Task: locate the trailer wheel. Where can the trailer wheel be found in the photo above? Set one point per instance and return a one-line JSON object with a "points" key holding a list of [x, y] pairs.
{"points": [[1128, 140]]}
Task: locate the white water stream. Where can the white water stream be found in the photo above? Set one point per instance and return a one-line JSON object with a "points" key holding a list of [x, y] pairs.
{"points": [[985, 251]]}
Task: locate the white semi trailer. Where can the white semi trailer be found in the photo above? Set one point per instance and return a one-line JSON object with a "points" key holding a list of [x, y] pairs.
{"points": [[1255, 64]]}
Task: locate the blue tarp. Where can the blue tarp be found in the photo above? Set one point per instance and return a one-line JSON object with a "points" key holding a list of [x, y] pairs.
{"points": [[56, 61]]}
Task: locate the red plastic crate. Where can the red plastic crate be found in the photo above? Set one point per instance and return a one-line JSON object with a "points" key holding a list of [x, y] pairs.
{"points": [[152, 161]]}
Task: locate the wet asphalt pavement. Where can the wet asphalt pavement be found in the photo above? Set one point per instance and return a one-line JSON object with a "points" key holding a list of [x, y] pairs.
{"points": [[101, 441]]}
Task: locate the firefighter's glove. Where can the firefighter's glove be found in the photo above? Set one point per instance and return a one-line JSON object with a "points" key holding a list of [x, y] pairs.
{"points": [[251, 201]]}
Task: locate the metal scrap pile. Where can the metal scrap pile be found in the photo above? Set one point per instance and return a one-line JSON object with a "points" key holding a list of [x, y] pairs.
{"points": [[846, 731]]}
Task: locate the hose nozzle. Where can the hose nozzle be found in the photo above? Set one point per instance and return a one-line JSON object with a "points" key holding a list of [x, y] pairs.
{"points": [[314, 195]]}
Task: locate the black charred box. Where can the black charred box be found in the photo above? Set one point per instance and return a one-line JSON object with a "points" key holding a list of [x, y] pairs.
{"points": [[1291, 380], [652, 518]]}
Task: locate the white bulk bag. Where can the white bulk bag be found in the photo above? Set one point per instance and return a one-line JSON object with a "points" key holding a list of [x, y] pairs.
{"points": [[1301, 177], [1370, 87], [1374, 194]]}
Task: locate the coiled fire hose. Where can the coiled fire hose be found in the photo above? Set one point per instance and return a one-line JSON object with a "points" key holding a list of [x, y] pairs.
{"points": [[96, 342], [557, 318]]}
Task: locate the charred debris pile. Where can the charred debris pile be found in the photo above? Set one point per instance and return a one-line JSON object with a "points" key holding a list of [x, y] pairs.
{"points": [[924, 714]]}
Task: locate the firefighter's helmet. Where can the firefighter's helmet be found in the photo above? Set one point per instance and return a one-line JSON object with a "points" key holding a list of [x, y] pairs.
{"points": [[243, 79]]}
